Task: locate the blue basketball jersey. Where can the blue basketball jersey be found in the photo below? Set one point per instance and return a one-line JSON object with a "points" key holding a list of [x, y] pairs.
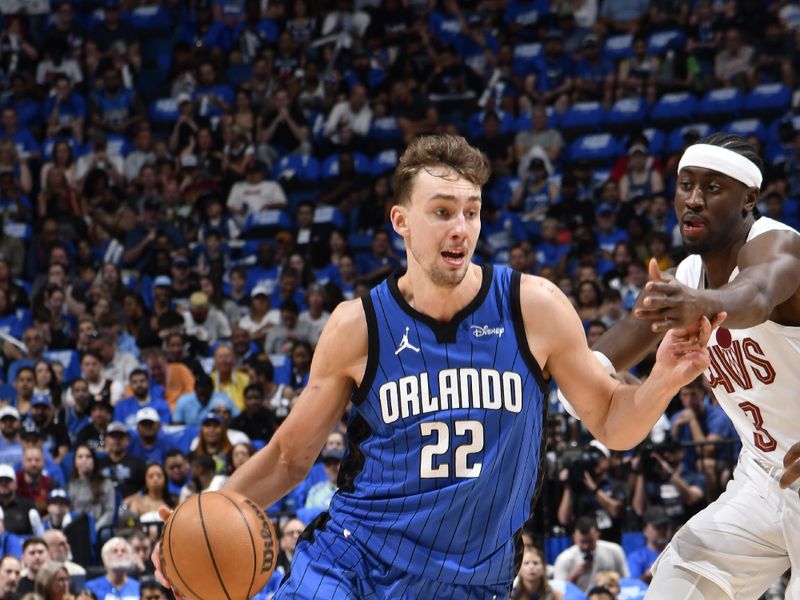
{"points": [[446, 436]]}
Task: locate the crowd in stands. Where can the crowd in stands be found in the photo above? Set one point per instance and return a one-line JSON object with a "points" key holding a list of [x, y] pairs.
{"points": [[188, 188]]}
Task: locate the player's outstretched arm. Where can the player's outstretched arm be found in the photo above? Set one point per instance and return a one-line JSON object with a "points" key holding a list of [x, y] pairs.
{"points": [[339, 361], [769, 275], [618, 415]]}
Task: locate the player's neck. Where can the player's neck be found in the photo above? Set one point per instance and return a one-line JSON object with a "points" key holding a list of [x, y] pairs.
{"points": [[720, 262], [438, 302]]}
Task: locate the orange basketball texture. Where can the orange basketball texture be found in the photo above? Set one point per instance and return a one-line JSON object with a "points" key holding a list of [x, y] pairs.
{"points": [[218, 545]]}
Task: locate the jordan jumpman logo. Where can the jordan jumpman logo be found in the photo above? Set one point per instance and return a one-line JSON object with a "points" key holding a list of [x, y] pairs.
{"points": [[405, 344]]}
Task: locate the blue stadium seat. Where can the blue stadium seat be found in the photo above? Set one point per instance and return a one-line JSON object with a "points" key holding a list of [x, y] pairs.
{"points": [[330, 166], [627, 113], [582, 117], [524, 60], [661, 41], [631, 589], [265, 224], [767, 99], [329, 215], [302, 167], [618, 47], [746, 127], [569, 591], [673, 109], [117, 144], [597, 148], [502, 189], [656, 138], [632, 541], [155, 47], [385, 129], [163, 113], [236, 75], [720, 105], [676, 142], [151, 83], [359, 242], [383, 162], [152, 18]]}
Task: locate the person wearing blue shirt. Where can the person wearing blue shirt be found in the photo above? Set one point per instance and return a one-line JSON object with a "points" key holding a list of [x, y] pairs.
{"points": [[126, 410], [606, 230], [117, 556], [150, 443], [76, 417], [29, 111], [554, 71], [522, 16], [375, 265], [10, 443], [27, 146], [594, 74], [657, 534], [10, 546], [193, 407], [500, 231], [65, 110], [214, 99], [116, 108]]}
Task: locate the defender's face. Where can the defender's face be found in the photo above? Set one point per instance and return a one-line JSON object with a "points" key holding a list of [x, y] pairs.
{"points": [[711, 208], [440, 225]]}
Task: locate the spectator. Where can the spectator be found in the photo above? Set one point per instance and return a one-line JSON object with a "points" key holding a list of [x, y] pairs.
{"points": [[32, 483], [150, 443], [532, 581], [20, 516], [350, 119], [193, 407], [103, 389], [734, 60], [205, 322], [126, 409], [580, 563], [93, 434], [89, 491], [255, 194], [53, 581], [227, 378], [54, 434], [58, 547], [177, 468], [34, 555], [204, 477], [125, 471], [10, 544], [10, 569], [599, 592], [154, 494], [320, 494], [117, 557], [314, 318], [10, 444], [255, 420], [150, 589], [541, 141], [289, 534], [214, 442], [657, 534]]}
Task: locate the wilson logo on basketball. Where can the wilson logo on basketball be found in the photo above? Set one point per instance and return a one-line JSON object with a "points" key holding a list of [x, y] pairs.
{"points": [[268, 555]]}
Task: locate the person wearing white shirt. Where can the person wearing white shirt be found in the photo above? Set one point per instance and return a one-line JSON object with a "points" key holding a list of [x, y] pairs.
{"points": [[349, 118], [589, 555], [204, 322], [255, 193]]}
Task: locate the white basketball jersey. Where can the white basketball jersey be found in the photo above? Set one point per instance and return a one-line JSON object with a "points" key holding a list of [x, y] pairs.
{"points": [[754, 372]]}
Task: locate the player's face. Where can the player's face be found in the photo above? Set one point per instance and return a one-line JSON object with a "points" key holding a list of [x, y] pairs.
{"points": [[440, 225], [711, 209]]}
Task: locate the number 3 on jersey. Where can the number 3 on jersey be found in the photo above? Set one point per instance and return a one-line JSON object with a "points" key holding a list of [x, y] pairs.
{"points": [[467, 439], [761, 437]]}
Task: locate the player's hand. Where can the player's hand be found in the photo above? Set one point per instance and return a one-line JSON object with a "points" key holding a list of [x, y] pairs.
{"points": [[155, 556], [667, 303], [685, 350], [791, 463]]}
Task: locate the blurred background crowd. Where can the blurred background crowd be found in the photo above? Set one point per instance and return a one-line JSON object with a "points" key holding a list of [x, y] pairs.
{"points": [[189, 187]]}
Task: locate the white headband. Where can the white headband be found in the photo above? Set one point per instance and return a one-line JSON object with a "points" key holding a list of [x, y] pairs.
{"points": [[723, 161]]}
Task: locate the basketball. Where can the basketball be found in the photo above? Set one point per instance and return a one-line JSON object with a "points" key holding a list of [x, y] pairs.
{"points": [[218, 545]]}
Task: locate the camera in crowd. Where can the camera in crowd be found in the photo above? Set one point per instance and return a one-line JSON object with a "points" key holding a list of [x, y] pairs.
{"points": [[648, 465], [579, 460]]}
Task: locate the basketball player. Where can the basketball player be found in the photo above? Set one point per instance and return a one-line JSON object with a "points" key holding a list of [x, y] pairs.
{"points": [[750, 268], [446, 367]]}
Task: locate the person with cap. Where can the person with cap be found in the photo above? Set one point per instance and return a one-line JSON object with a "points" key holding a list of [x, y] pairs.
{"points": [[10, 443], [641, 178], [551, 82], [20, 514], [150, 443], [258, 320], [58, 510], [93, 434], [657, 534], [594, 74], [124, 470], [55, 436], [213, 440], [204, 321], [32, 483], [320, 494], [10, 572], [606, 232], [161, 300], [183, 283], [141, 397], [193, 407], [255, 194]]}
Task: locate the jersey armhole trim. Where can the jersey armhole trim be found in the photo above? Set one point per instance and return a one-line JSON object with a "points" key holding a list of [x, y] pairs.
{"points": [[373, 350], [519, 332]]}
